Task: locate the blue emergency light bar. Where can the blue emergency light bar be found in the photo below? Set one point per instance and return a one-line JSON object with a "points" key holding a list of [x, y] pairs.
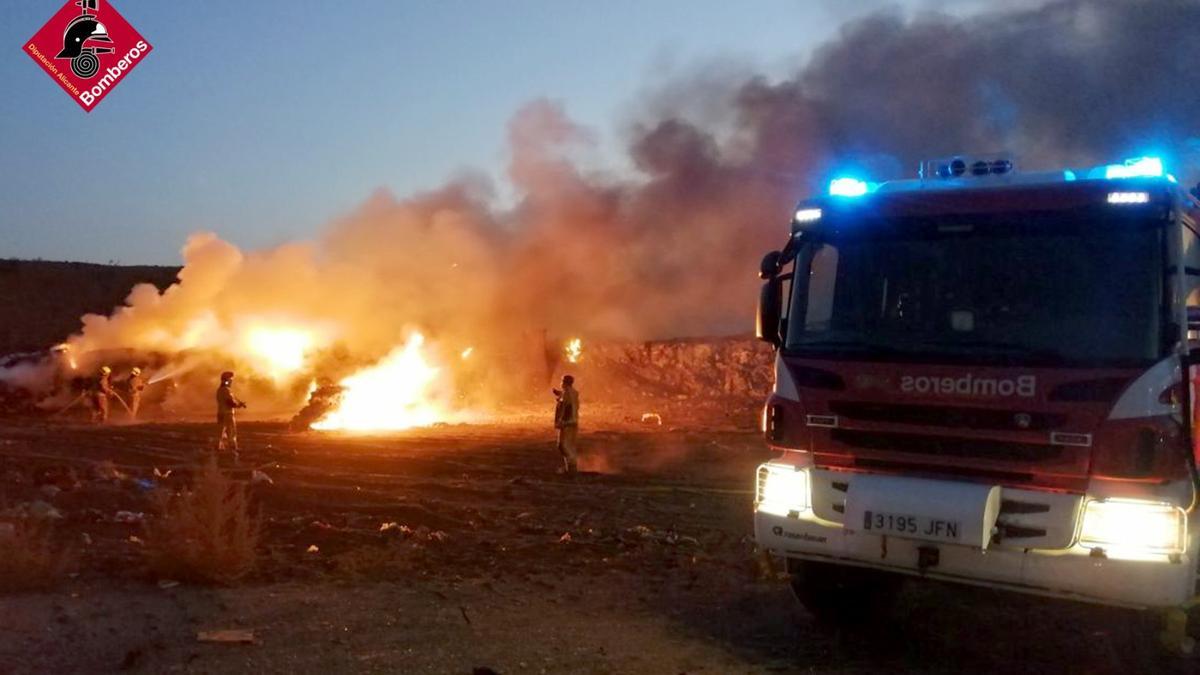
{"points": [[1138, 167], [961, 172], [848, 187]]}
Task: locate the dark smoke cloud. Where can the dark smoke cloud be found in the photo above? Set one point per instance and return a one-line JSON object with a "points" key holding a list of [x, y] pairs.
{"points": [[725, 155], [1069, 82], [720, 159]]}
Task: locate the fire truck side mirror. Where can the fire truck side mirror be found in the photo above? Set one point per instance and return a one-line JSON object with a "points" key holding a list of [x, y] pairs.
{"points": [[771, 263], [766, 326]]}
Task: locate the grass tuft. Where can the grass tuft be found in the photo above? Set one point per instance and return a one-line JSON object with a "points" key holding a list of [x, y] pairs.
{"points": [[206, 534]]}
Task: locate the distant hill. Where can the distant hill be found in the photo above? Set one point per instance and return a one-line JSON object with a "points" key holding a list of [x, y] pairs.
{"points": [[41, 302]]}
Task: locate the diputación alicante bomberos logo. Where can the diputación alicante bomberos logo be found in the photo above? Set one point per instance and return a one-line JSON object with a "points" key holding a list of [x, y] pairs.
{"points": [[88, 48]]}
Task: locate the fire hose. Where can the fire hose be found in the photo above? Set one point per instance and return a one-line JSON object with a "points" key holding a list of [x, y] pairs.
{"points": [[70, 405], [123, 403]]}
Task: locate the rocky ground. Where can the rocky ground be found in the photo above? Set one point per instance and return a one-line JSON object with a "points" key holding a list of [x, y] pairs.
{"points": [[457, 549]]}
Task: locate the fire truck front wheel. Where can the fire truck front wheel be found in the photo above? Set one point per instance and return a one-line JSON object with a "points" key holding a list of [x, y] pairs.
{"points": [[844, 595]]}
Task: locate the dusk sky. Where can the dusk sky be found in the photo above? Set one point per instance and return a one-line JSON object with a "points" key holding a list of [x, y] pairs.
{"points": [[263, 121]]}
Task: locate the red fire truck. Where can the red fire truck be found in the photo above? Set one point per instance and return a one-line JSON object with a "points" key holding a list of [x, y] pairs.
{"points": [[983, 376]]}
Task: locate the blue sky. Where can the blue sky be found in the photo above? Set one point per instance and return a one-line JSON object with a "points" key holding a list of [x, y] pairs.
{"points": [[263, 120]]}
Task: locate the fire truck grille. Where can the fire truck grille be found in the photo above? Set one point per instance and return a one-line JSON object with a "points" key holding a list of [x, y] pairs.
{"points": [[948, 417], [947, 446]]}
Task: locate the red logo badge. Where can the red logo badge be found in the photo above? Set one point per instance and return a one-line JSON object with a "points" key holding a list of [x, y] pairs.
{"points": [[88, 48]]}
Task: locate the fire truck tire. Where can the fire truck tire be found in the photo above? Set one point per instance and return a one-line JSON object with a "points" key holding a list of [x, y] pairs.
{"points": [[1138, 646], [844, 595]]}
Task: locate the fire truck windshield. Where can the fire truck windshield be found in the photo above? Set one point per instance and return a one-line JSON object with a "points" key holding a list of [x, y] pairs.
{"points": [[1067, 291]]}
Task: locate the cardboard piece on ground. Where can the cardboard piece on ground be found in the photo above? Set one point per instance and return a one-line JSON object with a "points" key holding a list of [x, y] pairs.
{"points": [[241, 636]]}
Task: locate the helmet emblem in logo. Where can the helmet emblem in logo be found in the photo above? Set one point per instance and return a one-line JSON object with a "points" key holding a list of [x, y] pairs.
{"points": [[79, 38], [1023, 420]]}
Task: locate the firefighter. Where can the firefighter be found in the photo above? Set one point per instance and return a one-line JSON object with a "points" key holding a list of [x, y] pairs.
{"points": [[134, 386], [566, 421], [101, 390], [227, 403]]}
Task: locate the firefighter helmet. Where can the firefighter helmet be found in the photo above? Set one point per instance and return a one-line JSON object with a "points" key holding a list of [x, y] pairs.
{"points": [[105, 369], [135, 371], [568, 379], [227, 376], [80, 31]]}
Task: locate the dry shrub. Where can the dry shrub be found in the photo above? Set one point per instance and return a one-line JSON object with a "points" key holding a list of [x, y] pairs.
{"points": [[31, 560], [206, 534]]}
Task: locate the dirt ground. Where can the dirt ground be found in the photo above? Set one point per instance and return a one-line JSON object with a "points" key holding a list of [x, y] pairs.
{"points": [[644, 564]]}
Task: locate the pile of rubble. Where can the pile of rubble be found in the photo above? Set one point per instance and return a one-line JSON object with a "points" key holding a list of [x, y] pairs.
{"points": [[737, 367]]}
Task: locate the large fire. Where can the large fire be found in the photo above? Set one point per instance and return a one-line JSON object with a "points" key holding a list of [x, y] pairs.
{"points": [[278, 352], [400, 392]]}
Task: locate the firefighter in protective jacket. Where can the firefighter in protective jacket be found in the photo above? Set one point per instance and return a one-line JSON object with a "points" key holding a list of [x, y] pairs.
{"points": [[227, 403], [135, 384], [101, 389], [566, 421]]}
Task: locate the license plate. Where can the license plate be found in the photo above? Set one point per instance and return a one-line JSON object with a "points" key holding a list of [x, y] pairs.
{"points": [[913, 527]]}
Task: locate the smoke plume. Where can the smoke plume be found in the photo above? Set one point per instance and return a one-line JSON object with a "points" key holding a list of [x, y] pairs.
{"points": [[720, 159]]}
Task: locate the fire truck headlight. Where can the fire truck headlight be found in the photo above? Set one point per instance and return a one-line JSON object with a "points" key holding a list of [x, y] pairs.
{"points": [[1133, 527], [781, 489]]}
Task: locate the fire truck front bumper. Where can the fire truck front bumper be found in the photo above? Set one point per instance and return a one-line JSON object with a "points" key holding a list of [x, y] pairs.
{"points": [[1069, 566]]}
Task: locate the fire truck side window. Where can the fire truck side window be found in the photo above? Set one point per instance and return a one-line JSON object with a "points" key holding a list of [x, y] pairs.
{"points": [[822, 279], [1191, 271]]}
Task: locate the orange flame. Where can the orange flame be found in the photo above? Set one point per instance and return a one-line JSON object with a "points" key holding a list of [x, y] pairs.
{"points": [[278, 352], [574, 350], [400, 392]]}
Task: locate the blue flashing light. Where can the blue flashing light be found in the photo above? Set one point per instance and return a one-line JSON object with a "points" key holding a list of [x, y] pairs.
{"points": [[1139, 167], [1068, 175], [848, 187]]}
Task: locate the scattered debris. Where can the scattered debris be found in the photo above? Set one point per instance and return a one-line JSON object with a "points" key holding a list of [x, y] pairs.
{"points": [[652, 418], [162, 474], [145, 484], [107, 471], [464, 615], [167, 583], [438, 536], [134, 539], [129, 517], [259, 478], [641, 531], [240, 636], [40, 510], [51, 491], [565, 539], [312, 548]]}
